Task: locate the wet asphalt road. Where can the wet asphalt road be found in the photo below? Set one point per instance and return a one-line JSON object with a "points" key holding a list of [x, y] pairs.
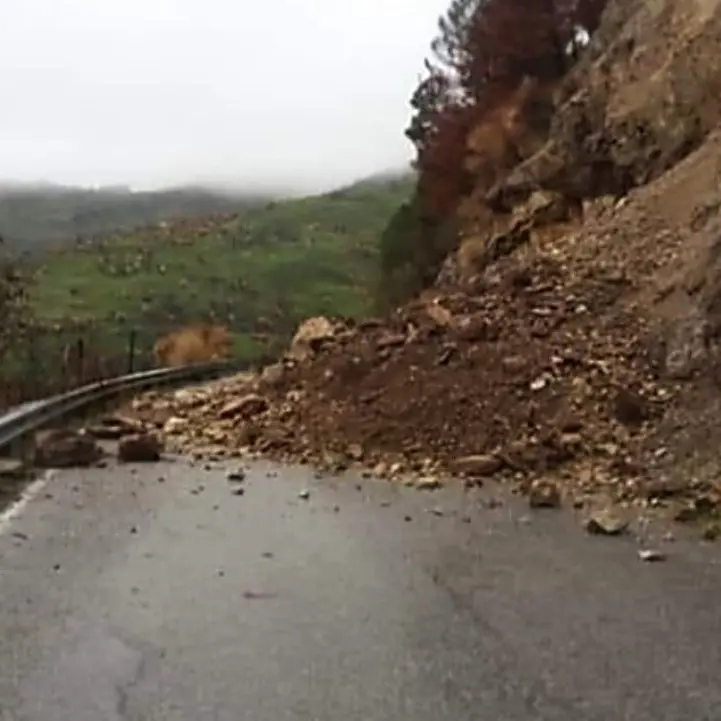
{"points": [[126, 597]]}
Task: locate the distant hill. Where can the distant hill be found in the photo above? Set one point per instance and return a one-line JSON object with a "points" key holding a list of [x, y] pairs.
{"points": [[34, 217]]}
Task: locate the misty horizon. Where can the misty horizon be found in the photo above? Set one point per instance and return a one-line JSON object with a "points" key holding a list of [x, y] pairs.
{"points": [[12, 185], [170, 94]]}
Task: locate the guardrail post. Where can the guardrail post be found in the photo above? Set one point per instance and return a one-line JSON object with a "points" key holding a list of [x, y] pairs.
{"points": [[81, 361], [132, 338]]}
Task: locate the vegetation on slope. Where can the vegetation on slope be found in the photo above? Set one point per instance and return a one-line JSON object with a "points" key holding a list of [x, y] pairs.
{"points": [[258, 272], [486, 56]]}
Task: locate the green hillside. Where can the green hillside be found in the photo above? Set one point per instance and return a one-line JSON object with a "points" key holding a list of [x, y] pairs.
{"points": [[258, 272]]}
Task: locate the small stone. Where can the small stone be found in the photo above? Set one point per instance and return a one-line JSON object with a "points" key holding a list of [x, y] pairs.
{"points": [[238, 491], [236, 476], [650, 555], [484, 464], [304, 495], [355, 451], [245, 407], [544, 494], [712, 531], [686, 514], [427, 483], [605, 523]]}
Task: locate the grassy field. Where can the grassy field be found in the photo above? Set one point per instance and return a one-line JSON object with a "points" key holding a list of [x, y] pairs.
{"points": [[258, 273]]}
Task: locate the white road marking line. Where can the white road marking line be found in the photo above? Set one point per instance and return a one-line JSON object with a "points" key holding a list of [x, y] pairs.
{"points": [[16, 509]]}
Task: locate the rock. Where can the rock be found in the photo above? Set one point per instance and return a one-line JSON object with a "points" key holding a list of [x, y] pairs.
{"points": [[544, 494], [245, 407], [355, 451], [441, 316], [484, 464], [629, 408], [236, 476], [650, 555], [701, 506], [391, 340], [273, 374], [115, 426], [175, 424], [428, 483], [310, 337], [514, 364], [712, 531], [605, 523], [687, 345], [304, 495], [12, 468], [247, 434], [139, 448], [62, 448], [664, 488], [473, 329]]}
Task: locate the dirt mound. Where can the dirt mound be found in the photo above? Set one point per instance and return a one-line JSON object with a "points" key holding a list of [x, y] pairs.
{"points": [[576, 340], [194, 344], [588, 358]]}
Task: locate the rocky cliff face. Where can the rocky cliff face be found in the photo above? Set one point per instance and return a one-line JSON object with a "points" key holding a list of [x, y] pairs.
{"points": [[646, 95]]}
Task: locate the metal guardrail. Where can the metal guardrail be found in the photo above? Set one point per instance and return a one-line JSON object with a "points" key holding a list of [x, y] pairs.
{"points": [[30, 416]]}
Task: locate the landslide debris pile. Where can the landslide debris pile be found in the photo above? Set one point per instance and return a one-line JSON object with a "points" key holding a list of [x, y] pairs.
{"points": [[582, 347]]}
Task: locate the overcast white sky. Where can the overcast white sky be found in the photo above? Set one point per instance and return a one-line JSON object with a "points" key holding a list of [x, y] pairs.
{"points": [[151, 93]]}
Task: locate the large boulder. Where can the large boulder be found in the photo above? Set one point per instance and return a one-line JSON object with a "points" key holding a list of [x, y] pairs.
{"points": [[312, 333], [140, 448], [64, 448]]}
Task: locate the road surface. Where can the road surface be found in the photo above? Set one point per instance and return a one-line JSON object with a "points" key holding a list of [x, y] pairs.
{"points": [[156, 594]]}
